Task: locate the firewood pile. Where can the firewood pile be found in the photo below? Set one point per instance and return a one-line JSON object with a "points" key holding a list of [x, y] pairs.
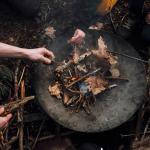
{"points": [[80, 79]]}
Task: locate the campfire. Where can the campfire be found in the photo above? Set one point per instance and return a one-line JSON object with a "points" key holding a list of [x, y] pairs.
{"points": [[83, 76]]}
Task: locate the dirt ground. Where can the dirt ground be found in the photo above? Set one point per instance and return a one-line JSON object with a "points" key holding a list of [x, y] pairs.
{"points": [[37, 126]]}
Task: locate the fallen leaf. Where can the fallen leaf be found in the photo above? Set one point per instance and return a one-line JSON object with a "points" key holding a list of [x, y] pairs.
{"points": [[143, 144], [96, 84], [50, 32], [102, 52], [115, 72], [75, 57], [102, 46], [82, 68], [112, 59], [65, 98], [55, 90]]}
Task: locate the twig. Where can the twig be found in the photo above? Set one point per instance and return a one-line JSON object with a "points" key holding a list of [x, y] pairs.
{"points": [[14, 138], [12, 106], [146, 129], [83, 77], [112, 22], [133, 134], [53, 136], [1, 138], [21, 116], [112, 86], [66, 65], [117, 78], [39, 132], [5, 145], [128, 56], [16, 80], [15, 96], [74, 91], [23, 71], [120, 24], [139, 121]]}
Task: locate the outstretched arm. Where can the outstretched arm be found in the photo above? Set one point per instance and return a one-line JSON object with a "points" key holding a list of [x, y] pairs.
{"points": [[37, 54]]}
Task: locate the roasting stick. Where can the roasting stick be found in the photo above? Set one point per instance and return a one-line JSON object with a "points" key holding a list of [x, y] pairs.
{"points": [[131, 57]]}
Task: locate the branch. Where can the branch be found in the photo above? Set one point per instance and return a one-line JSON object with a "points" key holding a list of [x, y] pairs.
{"points": [[12, 106]]}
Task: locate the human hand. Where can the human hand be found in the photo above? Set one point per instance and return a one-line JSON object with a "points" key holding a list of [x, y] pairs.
{"points": [[4, 120], [78, 37], [40, 54], [147, 19]]}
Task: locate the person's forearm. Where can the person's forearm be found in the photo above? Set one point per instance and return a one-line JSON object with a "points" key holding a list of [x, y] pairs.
{"points": [[35, 54], [12, 51]]}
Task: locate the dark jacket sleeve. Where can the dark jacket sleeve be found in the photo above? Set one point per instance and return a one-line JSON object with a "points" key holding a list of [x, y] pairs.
{"points": [[87, 13]]}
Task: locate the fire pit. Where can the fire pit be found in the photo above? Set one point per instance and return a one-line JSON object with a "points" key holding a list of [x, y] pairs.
{"points": [[113, 107], [82, 77]]}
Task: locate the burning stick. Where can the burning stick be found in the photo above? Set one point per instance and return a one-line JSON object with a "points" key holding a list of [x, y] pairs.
{"points": [[84, 77]]}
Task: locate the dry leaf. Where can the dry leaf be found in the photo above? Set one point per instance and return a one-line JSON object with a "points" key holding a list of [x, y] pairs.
{"points": [[96, 84], [50, 32], [102, 49], [103, 53], [75, 57], [82, 68], [143, 144], [112, 59], [65, 98], [55, 90], [115, 72]]}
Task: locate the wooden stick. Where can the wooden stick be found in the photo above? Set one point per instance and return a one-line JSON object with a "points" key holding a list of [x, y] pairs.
{"points": [[66, 65], [130, 57], [116, 78], [21, 117], [22, 74], [53, 136], [83, 77], [10, 107], [16, 80], [39, 132]]}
